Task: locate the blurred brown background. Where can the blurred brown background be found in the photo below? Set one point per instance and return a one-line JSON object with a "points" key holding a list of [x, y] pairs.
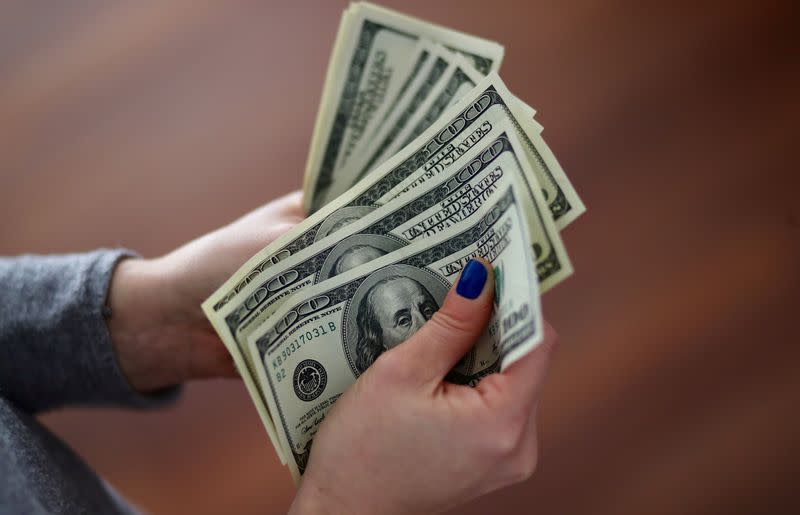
{"points": [[677, 387]]}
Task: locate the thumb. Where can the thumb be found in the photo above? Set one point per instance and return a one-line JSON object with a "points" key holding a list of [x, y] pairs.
{"points": [[453, 330]]}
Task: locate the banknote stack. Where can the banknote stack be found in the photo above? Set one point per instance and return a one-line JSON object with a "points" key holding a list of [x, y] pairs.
{"points": [[421, 159]]}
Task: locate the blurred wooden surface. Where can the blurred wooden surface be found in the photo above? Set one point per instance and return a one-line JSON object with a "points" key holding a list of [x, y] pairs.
{"points": [[676, 389]]}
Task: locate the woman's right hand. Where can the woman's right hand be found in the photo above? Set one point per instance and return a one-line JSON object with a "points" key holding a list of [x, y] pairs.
{"points": [[402, 440]]}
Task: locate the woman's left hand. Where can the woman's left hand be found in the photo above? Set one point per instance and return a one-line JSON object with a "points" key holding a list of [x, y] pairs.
{"points": [[159, 332]]}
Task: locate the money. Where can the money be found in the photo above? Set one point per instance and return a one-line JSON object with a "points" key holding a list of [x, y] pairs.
{"points": [[446, 78], [460, 128], [421, 159], [373, 50], [442, 202], [423, 59], [562, 200], [439, 203], [371, 150], [315, 346], [422, 109]]}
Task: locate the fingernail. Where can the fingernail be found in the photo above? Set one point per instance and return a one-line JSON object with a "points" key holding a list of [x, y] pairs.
{"points": [[472, 279]]}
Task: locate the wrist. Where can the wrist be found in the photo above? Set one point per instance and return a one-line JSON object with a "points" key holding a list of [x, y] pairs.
{"points": [[311, 499], [322, 498], [140, 300]]}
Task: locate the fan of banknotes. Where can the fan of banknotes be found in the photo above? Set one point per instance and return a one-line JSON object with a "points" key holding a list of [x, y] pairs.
{"points": [[421, 159]]}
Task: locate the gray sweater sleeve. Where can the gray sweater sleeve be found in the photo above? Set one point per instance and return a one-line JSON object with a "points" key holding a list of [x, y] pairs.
{"points": [[55, 348]]}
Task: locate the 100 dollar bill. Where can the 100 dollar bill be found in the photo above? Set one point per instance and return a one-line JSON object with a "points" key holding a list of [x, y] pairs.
{"points": [[451, 198], [460, 128], [316, 346], [373, 48], [370, 150], [448, 199], [357, 235], [424, 108], [557, 190], [422, 59]]}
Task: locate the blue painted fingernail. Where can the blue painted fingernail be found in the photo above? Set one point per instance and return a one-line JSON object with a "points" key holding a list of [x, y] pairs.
{"points": [[472, 279]]}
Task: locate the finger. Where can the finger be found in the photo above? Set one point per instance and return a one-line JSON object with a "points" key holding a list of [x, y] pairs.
{"points": [[287, 206], [292, 198], [293, 204], [519, 385], [452, 331]]}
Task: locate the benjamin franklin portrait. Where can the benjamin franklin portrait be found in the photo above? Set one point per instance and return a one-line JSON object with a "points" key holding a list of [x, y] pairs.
{"points": [[392, 310], [355, 256], [355, 250], [340, 219]]}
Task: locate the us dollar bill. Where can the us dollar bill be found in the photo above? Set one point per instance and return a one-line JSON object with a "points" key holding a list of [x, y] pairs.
{"points": [[423, 59], [557, 190], [462, 127], [372, 45], [441, 146], [418, 112], [385, 84], [449, 199], [357, 235], [449, 86], [316, 346], [304, 234], [370, 150]]}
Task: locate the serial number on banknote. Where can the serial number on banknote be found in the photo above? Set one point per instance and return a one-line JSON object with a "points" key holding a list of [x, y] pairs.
{"points": [[295, 346]]}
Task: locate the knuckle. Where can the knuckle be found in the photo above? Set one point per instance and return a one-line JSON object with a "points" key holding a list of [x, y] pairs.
{"points": [[392, 365], [525, 466], [277, 229], [505, 441], [551, 344], [551, 339], [450, 323], [284, 226]]}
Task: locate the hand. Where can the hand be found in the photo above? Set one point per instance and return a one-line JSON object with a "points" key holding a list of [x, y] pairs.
{"points": [[158, 329], [401, 440]]}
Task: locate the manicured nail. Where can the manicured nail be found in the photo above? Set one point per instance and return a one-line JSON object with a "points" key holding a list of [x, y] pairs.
{"points": [[472, 279]]}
